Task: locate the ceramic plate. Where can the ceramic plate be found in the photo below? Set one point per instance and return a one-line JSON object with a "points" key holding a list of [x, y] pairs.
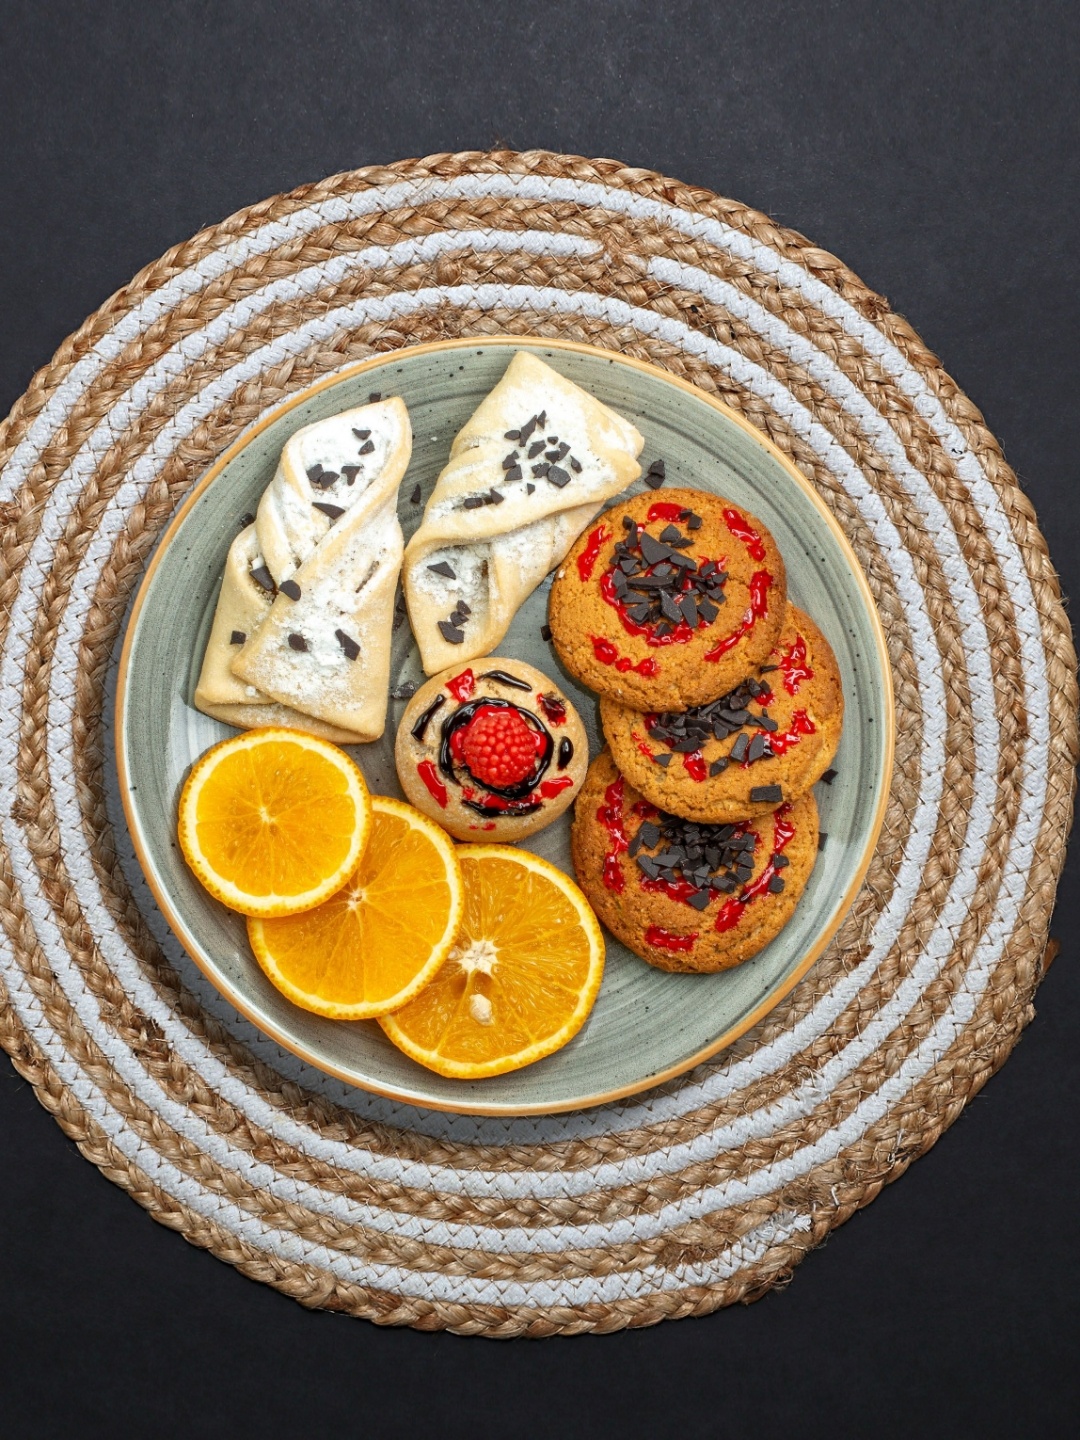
{"points": [[647, 1025]]}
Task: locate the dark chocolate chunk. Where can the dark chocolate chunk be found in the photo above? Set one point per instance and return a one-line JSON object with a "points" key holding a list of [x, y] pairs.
{"points": [[237, 637], [829, 776], [350, 472], [575, 464], [739, 749], [512, 435], [262, 577], [496, 497], [361, 434], [326, 479], [765, 794], [512, 475], [701, 901], [558, 476], [529, 488], [541, 469], [541, 419], [332, 512], [297, 642], [246, 520], [776, 884], [473, 502], [414, 498], [664, 760], [348, 644], [463, 608], [450, 633], [757, 748], [313, 473], [443, 567], [367, 447], [670, 534], [718, 766], [822, 837], [545, 632], [535, 449], [650, 834], [374, 397], [405, 691], [510, 461], [290, 588]]}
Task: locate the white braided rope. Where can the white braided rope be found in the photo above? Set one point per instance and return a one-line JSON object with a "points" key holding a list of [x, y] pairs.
{"points": [[721, 1078]]}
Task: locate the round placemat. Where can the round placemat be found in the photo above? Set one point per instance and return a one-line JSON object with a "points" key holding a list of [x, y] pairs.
{"points": [[703, 1191]]}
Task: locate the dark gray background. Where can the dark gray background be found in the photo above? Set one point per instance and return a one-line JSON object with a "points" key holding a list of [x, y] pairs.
{"points": [[934, 148]]}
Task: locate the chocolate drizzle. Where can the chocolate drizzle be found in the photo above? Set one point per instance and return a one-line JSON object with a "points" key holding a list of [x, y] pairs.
{"points": [[503, 677], [424, 718]]}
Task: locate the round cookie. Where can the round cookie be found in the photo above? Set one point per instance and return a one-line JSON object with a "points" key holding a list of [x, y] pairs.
{"points": [[493, 750], [668, 601], [687, 897], [709, 764]]}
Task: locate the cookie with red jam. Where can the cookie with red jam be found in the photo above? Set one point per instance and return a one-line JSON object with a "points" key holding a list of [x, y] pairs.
{"points": [[763, 744], [493, 750], [685, 896], [664, 603]]}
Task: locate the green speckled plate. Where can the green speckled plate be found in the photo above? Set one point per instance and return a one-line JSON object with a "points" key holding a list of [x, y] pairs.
{"points": [[647, 1025]]}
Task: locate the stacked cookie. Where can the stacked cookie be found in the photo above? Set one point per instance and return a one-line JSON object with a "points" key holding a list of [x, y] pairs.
{"points": [[721, 703]]}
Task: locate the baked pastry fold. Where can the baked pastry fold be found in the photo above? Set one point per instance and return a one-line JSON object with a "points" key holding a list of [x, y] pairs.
{"points": [[301, 635], [526, 474]]}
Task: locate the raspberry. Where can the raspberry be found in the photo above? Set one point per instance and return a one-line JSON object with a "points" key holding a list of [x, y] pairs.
{"points": [[499, 748]]}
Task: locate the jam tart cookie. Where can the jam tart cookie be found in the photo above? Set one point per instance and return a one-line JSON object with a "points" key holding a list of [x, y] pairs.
{"points": [[493, 750], [527, 472], [764, 743], [668, 603], [688, 897]]}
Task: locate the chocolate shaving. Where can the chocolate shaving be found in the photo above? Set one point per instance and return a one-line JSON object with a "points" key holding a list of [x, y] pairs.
{"points": [[367, 447], [450, 633], [348, 644], [262, 577], [829, 776], [765, 794], [503, 677], [237, 637], [332, 512], [443, 567], [414, 498], [290, 588]]}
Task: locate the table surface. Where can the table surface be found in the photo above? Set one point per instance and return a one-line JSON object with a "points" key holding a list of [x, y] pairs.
{"points": [[933, 148]]}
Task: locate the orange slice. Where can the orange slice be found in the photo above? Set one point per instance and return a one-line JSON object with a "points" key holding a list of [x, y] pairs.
{"points": [[274, 821], [380, 939], [521, 979]]}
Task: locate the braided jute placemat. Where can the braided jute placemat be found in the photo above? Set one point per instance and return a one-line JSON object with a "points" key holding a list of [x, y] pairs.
{"points": [[711, 1188]]}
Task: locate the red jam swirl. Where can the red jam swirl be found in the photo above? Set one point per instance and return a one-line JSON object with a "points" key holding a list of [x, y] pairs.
{"points": [[462, 686], [550, 788], [639, 741], [780, 742], [695, 767], [586, 561], [731, 912], [430, 776], [668, 940], [607, 654], [664, 510], [610, 815], [760, 584], [795, 666], [755, 546]]}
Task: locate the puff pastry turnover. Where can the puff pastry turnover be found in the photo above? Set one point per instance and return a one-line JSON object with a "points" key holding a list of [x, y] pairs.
{"points": [[526, 474]]}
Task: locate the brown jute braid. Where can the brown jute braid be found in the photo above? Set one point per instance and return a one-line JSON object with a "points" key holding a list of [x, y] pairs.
{"points": [[617, 270]]}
